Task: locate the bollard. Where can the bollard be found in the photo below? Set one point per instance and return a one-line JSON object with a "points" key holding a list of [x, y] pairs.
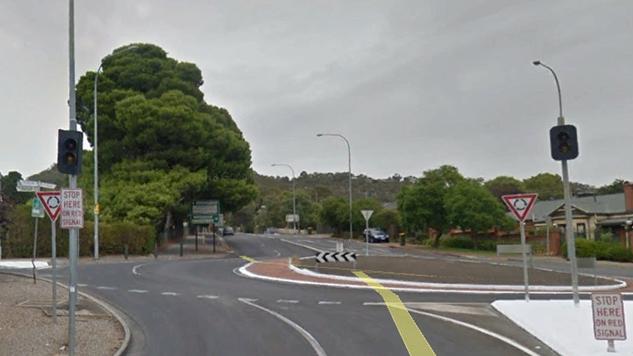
{"points": [[125, 251]]}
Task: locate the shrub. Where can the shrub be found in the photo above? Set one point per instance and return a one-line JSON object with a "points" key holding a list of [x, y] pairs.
{"points": [[464, 242], [601, 249], [112, 237], [487, 245]]}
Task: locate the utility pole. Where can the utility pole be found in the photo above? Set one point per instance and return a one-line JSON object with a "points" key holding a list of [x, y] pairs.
{"points": [[349, 166], [74, 232], [569, 229], [294, 195]]}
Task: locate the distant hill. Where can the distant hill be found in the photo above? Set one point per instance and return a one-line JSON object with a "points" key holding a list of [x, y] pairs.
{"points": [[323, 185], [51, 175]]}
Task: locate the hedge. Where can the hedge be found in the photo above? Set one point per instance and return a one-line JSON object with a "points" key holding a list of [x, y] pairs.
{"points": [[601, 250], [112, 237]]}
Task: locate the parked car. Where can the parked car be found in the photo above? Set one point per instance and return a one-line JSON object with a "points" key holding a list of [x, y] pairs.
{"points": [[228, 231], [376, 235]]}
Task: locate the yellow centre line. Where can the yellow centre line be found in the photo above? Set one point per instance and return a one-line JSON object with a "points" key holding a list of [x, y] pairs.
{"points": [[246, 258], [413, 339]]}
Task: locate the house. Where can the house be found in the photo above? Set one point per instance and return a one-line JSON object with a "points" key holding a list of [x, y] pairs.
{"points": [[591, 214]]}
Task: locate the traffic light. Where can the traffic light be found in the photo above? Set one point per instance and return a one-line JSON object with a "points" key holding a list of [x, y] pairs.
{"points": [[564, 142], [69, 149]]}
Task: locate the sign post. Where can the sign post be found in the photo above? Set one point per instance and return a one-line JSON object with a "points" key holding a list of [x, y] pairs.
{"points": [[37, 212], [520, 205], [367, 215], [52, 202], [608, 318]]}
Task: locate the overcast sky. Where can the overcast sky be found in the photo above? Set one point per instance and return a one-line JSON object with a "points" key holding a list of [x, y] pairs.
{"points": [[411, 84]]}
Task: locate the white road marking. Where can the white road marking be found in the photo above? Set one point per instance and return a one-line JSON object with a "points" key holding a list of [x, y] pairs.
{"points": [[170, 293], [302, 245], [479, 329], [479, 309], [106, 288], [277, 254], [313, 342], [81, 285], [288, 301], [135, 269], [328, 302], [205, 296], [137, 291]]}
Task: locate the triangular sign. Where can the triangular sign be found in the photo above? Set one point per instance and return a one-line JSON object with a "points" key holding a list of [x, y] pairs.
{"points": [[520, 204], [52, 202], [367, 213]]}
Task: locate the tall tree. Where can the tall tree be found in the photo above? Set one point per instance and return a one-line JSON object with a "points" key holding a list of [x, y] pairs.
{"points": [[503, 185], [421, 205], [470, 206], [547, 185], [151, 110]]}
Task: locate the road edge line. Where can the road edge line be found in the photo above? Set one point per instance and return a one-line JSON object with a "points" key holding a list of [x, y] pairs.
{"points": [[306, 335], [500, 337], [301, 245]]}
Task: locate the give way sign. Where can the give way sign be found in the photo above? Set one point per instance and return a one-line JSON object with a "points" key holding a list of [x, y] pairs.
{"points": [[520, 204], [52, 202]]}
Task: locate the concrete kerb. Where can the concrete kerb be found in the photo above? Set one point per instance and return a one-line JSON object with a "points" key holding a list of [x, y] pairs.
{"points": [[619, 284], [421, 287], [107, 307]]}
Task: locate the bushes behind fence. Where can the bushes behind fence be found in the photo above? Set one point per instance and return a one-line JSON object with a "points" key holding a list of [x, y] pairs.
{"points": [[112, 237]]}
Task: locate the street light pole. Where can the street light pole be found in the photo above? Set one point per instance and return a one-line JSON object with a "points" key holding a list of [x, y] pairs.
{"points": [[349, 165], [95, 159], [96, 168], [569, 231], [294, 194]]}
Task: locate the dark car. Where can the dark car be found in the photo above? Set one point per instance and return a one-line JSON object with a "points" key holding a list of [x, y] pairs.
{"points": [[227, 231], [376, 235]]}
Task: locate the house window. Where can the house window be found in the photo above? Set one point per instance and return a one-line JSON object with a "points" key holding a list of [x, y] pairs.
{"points": [[581, 230]]}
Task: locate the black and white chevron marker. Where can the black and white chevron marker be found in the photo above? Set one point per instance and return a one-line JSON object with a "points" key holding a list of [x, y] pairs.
{"points": [[322, 257]]}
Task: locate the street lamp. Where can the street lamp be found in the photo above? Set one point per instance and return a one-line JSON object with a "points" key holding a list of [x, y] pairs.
{"points": [[95, 153], [294, 194], [349, 164], [569, 231]]}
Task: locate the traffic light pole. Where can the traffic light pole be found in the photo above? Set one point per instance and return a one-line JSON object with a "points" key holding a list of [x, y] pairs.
{"points": [[73, 233], [569, 229]]}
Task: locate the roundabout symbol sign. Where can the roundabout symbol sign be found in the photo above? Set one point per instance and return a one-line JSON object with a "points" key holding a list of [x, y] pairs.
{"points": [[520, 204], [52, 202]]}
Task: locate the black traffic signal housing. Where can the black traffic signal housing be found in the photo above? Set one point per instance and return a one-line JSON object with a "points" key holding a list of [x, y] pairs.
{"points": [[563, 142], [69, 150]]}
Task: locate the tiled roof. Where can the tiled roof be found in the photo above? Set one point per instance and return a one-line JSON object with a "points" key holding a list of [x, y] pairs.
{"points": [[594, 204]]}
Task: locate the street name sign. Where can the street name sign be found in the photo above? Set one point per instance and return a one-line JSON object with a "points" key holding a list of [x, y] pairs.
{"points": [[520, 204], [52, 202], [32, 186], [72, 215], [292, 218], [37, 211]]}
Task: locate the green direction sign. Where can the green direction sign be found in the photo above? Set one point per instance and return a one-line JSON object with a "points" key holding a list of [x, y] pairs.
{"points": [[205, 212], [37, 210]]}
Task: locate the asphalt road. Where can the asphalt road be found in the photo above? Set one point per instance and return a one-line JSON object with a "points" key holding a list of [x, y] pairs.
{"points": [[202, 307]]}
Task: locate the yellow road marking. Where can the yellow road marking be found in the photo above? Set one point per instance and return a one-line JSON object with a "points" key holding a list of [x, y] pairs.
{"points": [[246, 258], [413, 339]]}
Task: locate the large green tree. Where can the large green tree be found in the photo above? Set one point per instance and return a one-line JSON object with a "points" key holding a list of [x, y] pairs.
{"points": [[156, 132], [470, 206], [503, 185], [421, 205], [547, 185]]}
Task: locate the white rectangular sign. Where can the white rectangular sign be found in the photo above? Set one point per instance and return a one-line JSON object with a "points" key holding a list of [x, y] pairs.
{"points": [[608, 316], [72, 215], [292, 218]]}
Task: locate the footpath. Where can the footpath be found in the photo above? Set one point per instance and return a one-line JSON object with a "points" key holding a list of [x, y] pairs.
{"points": [[27, 327]]}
